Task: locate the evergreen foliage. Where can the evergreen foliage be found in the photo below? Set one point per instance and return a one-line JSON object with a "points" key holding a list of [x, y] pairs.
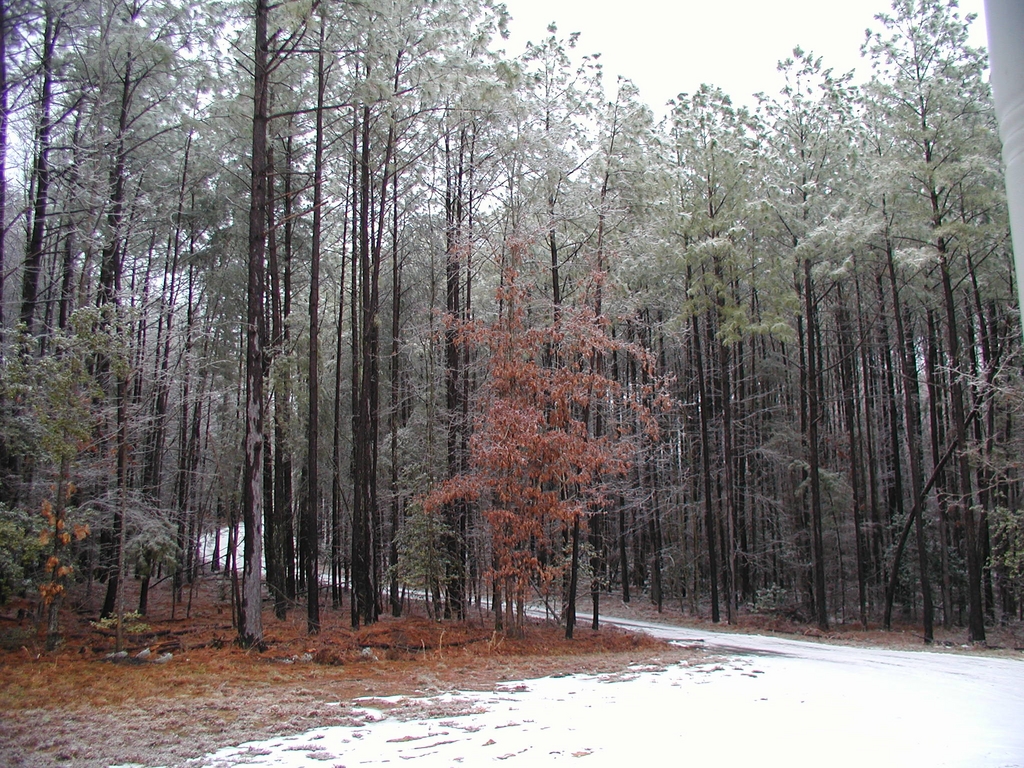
{"points": [[758, 359]]}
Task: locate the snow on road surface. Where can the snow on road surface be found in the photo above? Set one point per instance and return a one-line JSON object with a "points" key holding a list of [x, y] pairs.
{"points": [[767, 702]]}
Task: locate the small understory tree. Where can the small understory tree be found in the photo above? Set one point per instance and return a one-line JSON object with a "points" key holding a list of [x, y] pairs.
{"points": [[50, 416], [423, 560], [537, 468]]}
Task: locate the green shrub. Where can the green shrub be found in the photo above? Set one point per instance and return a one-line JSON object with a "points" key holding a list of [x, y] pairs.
{"points": [[133, 623], [20, 550]]}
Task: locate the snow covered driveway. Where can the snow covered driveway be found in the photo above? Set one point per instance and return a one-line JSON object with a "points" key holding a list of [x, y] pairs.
{"points": [[768, 702]]}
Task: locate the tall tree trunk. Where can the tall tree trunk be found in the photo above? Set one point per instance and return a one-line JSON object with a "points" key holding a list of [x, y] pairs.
{"points": [[366, 417], [912, 424], [357, 545], [846, 374], [337, 496], [109, 294], [657, 589], [570, 612], [281, 293], [710, 529], [364, 592], [313, 424], [869, 375], [937, 438], [894, 491], [156, 439], [623, 551], [813, 415], [4, 27], [250, 629], [183, 478], [41, 175], [972, 524], [596, 521], [456, 513], [277, 468], [728, 481], [396, 416], [121, 513]]}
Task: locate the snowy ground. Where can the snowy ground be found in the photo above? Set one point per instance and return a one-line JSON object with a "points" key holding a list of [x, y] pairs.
{"points": [[768, 702]]}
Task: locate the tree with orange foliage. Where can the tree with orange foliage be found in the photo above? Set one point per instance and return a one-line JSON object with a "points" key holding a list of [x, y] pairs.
{"points": [[536, 466]]}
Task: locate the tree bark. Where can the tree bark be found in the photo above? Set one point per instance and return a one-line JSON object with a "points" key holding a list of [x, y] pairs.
{"points": [[846, 374], [311, 527], [710, 529], [570, 612], [278, 467], [972, 524], [454, 373], [250, 629], [813, 461], [4, 26], [912, 421], [396, 415], [937, 438], [41, 175]]}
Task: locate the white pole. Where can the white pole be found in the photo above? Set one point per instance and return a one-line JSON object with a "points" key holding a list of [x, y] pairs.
{"points": [[1005, 20]]}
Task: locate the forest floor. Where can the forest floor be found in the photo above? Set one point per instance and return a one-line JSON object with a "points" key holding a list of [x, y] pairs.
{"points": [[75, 707]]}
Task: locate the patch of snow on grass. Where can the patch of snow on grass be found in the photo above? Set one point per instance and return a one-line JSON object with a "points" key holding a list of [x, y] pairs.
{"points": [[768, 710]]}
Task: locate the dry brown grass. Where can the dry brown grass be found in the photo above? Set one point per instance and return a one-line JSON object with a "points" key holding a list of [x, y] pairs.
{"points": [[74, 708]]}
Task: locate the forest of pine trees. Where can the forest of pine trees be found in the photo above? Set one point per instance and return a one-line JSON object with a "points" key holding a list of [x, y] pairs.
{"points": [[403, 316]]}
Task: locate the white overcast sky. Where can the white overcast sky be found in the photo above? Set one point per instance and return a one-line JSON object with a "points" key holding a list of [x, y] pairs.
{"points": [[669, 47]]}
